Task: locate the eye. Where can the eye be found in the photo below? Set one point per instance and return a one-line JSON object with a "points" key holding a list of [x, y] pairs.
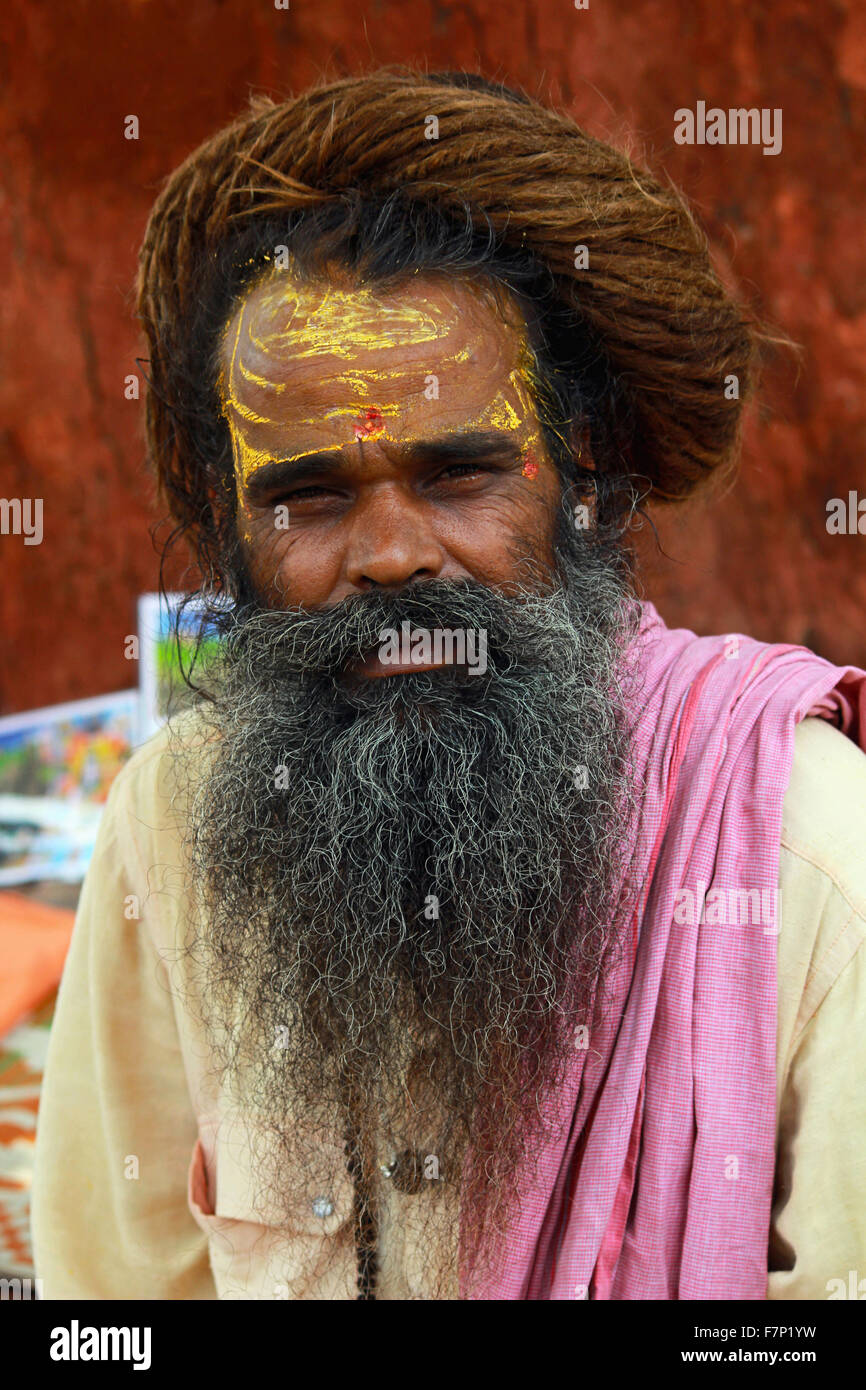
{"points": [[302, 492], [461, 470]]}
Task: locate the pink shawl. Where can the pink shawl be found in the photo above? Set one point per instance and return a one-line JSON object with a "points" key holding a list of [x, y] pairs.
{"points": [[661, 1186]]}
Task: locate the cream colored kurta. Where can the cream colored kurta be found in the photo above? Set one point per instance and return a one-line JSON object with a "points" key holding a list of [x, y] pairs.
{"points": [[140, 1192]]}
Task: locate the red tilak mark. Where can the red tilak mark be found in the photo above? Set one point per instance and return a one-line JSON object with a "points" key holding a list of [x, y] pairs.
{"points": [[370, 422], [530, 467]]}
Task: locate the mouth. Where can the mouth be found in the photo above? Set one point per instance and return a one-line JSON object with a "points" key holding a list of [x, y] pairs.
{"points": [[372, 667]]}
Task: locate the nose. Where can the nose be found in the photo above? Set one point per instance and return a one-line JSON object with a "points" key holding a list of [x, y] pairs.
{"points": [[392, 542]]}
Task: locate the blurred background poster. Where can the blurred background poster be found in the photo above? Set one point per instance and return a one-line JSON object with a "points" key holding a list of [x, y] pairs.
{"points": [[56, 768]]}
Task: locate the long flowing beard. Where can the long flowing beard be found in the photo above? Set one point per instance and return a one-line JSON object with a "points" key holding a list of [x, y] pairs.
{"points": [[410, 886]]}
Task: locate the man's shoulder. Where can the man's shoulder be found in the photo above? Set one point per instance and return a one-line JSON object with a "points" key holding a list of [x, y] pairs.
{"points": [[822, 876], [824, 808]]}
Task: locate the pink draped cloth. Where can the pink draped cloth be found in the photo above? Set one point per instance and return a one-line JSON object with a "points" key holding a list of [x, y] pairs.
{"points": [[660, 1181]]}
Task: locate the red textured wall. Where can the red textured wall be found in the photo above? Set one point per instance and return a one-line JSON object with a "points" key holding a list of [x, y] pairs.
{"points": [[787, 229]]}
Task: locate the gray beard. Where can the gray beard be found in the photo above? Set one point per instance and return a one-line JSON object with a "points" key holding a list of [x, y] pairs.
{"points": [[413, 885]]}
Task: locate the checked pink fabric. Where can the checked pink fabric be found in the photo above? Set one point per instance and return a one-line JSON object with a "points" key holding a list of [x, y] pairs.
{"points": [[637, 1198]]}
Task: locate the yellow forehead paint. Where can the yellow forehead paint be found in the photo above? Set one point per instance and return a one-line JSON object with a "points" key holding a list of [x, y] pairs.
{"points": [[337, 322], [333, 323], [308, 321]]}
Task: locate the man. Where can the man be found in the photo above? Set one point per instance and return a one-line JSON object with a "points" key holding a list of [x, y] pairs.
{"points": [[474, 935]]}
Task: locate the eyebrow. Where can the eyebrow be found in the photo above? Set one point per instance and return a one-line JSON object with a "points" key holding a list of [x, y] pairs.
{"points": [[447, 448]]}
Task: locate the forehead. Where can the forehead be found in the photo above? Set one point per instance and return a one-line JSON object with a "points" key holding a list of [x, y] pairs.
{"points": [[307, 353]]}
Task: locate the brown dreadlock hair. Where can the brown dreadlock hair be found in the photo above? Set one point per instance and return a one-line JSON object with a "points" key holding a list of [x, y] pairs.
{"points": [[634, 349]]}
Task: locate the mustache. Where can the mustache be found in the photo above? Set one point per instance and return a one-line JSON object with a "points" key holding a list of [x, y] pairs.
{"points": [[327, 642]]}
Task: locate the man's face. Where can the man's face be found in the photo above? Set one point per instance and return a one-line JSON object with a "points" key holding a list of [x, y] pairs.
{"points": [[382, 437]]}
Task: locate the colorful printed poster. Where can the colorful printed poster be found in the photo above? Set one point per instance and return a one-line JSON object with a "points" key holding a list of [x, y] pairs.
{"points": [[56, 767]]}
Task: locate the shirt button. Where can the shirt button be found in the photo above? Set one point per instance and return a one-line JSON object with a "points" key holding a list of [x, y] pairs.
{"points": [[322, 1207]]}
